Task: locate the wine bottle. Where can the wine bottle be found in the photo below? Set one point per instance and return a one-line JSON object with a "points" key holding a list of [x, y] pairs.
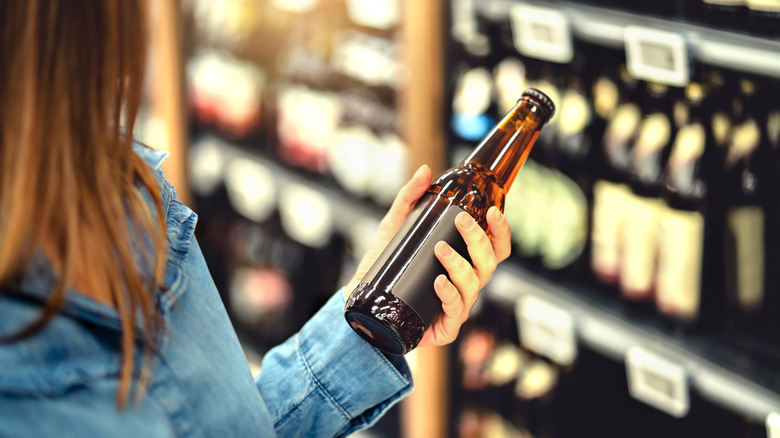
{"points": [[645, 170], [395, 302], [746, 170], [610, 192], [563, 249], [689, 277]]}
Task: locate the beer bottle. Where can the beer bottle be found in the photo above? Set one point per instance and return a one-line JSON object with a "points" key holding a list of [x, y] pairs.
{"points": [[689, 277], [395, 302]]}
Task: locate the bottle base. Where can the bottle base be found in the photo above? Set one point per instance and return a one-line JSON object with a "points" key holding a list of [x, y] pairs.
{"points": [[396, 330]]}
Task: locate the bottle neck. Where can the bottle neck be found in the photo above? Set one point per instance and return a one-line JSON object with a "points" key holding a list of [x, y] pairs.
{"points": [[506, 148]]}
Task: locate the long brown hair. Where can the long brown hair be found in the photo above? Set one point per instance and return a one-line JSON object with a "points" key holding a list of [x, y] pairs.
{"points": [[70, 88]]}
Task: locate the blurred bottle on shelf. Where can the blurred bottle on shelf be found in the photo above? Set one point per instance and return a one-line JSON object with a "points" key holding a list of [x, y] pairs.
{"points": [[689, 278], [566, 236], [226, 95], [639, 245], [611, 195], [747, 159]]}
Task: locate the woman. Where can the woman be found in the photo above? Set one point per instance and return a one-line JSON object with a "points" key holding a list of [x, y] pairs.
{"points": [[110, 322]]}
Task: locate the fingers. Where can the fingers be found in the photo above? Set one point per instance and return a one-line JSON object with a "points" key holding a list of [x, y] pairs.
{"points": [[479, 246], [461, 273], [406, 199], [501, 232], [445, 328]]}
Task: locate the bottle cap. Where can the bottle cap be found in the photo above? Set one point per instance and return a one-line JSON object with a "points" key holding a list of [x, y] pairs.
{"points": [[540, 99]]}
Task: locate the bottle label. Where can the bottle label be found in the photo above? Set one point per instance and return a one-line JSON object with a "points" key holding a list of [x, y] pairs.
{"points": [[575, 114], [526, 208], [721, 125], [680, 252], [653, 136], [623, 124], [605, 97], [640, 246], [408, 266], [746, 251], [609, 207], [567, 222], [688, 148], [744, 141]]}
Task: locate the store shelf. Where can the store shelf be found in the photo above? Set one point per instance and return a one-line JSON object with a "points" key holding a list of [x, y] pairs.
{"points": [[346, 210], [735, 372], [715, 47]]}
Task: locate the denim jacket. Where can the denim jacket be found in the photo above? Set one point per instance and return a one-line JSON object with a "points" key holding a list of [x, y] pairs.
{"points": [[63, 381]]}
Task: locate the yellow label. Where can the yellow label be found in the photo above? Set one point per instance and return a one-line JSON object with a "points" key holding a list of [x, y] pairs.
{"points": [[575, 113], [654, 135], [605, 97], [744, 141], [720, 128], [680, 250], [688, 147], [640, 244], [567, 225], [609, 207], [623, 123], [747, 226]]}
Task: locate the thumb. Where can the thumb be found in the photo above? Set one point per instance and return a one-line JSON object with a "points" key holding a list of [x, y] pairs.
{"points": [[406, 199]]}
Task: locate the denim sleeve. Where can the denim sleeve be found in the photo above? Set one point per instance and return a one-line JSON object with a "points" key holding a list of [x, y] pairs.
{"points": [[326, 381]]}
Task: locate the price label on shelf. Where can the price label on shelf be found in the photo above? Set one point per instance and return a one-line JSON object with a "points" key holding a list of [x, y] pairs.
{"points": [[773, 425], [546, 329], [541, 33], [657, 56], [657, 381]]}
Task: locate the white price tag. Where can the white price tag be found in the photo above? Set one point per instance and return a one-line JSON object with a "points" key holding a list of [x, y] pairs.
{"points": [[656, 55], [541, 33], [657, 381], [773, 425], [546, 329]]}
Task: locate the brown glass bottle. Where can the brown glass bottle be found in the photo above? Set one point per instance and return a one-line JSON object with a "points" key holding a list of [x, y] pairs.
{"points": [[395, 302]]}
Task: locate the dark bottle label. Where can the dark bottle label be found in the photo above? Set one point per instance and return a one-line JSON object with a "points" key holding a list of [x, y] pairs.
{"points": [[408, 266]]}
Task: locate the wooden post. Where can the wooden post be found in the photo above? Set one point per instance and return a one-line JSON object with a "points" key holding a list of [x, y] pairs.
{"points": [[166, 91], [421, 98]]}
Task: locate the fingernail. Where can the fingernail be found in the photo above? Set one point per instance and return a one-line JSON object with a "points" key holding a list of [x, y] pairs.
{"points": [[444, 249], [420, 170], [466, 221], [495, 214]]}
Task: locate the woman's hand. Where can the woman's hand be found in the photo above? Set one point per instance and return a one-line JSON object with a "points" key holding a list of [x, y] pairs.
{"points": [[459, 292]]}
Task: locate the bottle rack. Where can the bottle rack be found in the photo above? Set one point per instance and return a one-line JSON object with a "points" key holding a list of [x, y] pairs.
{"points": [[730, 370], [607, 27], [712, 367]]}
